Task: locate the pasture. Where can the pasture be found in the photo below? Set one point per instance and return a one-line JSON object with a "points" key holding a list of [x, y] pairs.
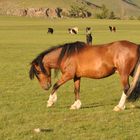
{"points": [[23, 102]]}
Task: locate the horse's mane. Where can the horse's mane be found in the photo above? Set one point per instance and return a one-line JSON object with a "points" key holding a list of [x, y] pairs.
{"points": [[67, 50], [70, 48]]}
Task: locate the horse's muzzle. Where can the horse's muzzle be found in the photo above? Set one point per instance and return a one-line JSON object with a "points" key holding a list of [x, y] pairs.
{"points": [[47, 87]]}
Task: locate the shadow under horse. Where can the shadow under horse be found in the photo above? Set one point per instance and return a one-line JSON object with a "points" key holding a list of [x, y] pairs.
{"points": [[76, 60]]}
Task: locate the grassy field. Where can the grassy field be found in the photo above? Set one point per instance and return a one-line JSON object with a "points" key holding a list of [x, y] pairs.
{"points": [[23, 102]]}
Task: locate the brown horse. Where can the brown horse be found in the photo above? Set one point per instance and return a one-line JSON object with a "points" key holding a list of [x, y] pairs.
{"points": [[76, 60]]}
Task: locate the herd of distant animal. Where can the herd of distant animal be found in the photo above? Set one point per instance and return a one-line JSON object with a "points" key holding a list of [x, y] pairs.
{"points": [[74, 30]]}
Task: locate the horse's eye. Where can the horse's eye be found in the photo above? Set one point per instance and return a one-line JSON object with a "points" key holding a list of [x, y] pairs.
{"points": [[38, 72]]}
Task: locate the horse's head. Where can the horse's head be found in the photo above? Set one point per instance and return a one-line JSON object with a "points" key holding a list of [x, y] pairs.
{"points": [[43, 75]]}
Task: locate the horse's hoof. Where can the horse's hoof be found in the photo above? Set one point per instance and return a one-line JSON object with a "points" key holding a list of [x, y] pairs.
{"points": [[117, 108], [50, 104], [37, 130], [76, 105], [73, 107]]}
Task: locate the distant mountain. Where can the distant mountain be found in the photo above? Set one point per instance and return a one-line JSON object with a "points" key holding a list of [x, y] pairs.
{"points": [[60, 8]]}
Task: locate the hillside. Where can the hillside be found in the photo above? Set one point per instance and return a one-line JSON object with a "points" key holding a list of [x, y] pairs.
{"points": [[121, 8]]}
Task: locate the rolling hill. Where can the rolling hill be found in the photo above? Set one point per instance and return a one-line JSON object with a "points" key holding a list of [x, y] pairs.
{"points": [[121, 8]]}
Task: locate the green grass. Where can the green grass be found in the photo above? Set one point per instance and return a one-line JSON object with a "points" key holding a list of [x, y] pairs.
{"points": [[23, 102]]}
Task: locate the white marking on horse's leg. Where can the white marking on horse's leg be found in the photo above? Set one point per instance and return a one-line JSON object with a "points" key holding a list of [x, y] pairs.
{"points": [[122, 101], [52, 100], [77, 105], [121, 105]]}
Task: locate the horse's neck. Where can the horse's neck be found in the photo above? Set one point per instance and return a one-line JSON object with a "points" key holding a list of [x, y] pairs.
{"points": [[52, 58]]}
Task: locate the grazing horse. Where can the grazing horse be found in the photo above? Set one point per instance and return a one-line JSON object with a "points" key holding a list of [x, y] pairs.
{"points": [[73, 30], [88, 35], [89, 38], [112, 28], [88, 30], [76, 60], [50, 30]]}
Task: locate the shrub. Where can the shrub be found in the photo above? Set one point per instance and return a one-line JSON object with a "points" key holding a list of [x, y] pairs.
{"points": [[77, 11], [104, 14]]}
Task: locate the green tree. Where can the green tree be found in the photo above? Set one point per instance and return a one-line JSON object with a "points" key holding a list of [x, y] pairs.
{"points": [[112, 15], [104, 14], [105, 11]]}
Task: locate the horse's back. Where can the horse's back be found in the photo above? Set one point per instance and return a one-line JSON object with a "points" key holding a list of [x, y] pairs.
{"points": [[103, 60], [95, 62]]}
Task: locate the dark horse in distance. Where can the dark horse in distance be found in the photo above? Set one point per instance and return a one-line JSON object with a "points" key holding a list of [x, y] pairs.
{"points": [[76, 60]]}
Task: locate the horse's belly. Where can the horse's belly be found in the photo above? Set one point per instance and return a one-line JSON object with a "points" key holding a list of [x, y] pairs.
{"points": [[96, 72]]}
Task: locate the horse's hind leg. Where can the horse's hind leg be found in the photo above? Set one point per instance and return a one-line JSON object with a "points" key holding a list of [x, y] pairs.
{"points": [[77, 103], [125, 83]]}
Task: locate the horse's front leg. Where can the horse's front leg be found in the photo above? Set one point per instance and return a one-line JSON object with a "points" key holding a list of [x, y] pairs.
{"points": [[77, 103], [53, 96], [52, 99]]}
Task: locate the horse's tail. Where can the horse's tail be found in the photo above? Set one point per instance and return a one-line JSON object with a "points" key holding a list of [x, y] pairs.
{"points": [[134, 90]]}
